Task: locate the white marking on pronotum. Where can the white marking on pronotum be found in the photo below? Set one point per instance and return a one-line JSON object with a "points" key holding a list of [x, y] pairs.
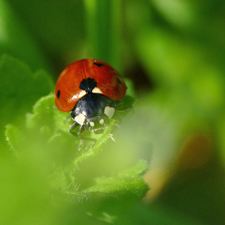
{"points": [[92, 124], [96, 91], [82, 94], [109, 111], [80, 119], [101, 121]]}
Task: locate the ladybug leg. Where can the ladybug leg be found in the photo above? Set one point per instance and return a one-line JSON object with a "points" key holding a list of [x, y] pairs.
{"points": [[118, 119], [80, 130], [72, 127], [116, 125], [68, 118], [98, 130], [112, 137], [124, 109], [78, 134], [82, 139]]}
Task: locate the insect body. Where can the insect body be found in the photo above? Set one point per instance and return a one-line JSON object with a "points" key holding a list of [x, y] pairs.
{"points": [[92, 91]]}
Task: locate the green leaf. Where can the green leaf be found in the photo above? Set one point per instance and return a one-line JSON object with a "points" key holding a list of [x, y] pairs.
{"points": [[20, 88], [109, 197], [127, 182], [14, 137]]}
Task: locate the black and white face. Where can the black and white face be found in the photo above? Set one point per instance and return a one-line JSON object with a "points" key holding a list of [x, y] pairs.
{"points": [[93, 112]]}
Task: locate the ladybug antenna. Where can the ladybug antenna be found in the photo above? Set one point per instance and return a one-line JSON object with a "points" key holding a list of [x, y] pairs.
{"points": [[88, 85]]}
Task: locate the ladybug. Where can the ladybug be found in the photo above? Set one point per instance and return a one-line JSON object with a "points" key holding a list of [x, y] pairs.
{"points": [[92, 91]]}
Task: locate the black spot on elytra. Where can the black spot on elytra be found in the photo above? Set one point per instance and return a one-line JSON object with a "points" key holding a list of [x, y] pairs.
{"points": [[98, 64], [119, 81], [88, 85], [58, 94]]}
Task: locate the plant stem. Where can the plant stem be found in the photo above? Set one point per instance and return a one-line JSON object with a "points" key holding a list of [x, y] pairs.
{"points": [[103, 26]]}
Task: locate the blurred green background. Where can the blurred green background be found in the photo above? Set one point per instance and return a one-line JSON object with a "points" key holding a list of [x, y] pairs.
{"points": [[172, 52]]}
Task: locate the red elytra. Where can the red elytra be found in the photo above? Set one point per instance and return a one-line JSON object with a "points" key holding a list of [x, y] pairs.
{"points": [[109, 81]]}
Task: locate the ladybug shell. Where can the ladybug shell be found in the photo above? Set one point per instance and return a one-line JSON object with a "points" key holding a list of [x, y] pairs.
{"points": [[68, 92]]}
